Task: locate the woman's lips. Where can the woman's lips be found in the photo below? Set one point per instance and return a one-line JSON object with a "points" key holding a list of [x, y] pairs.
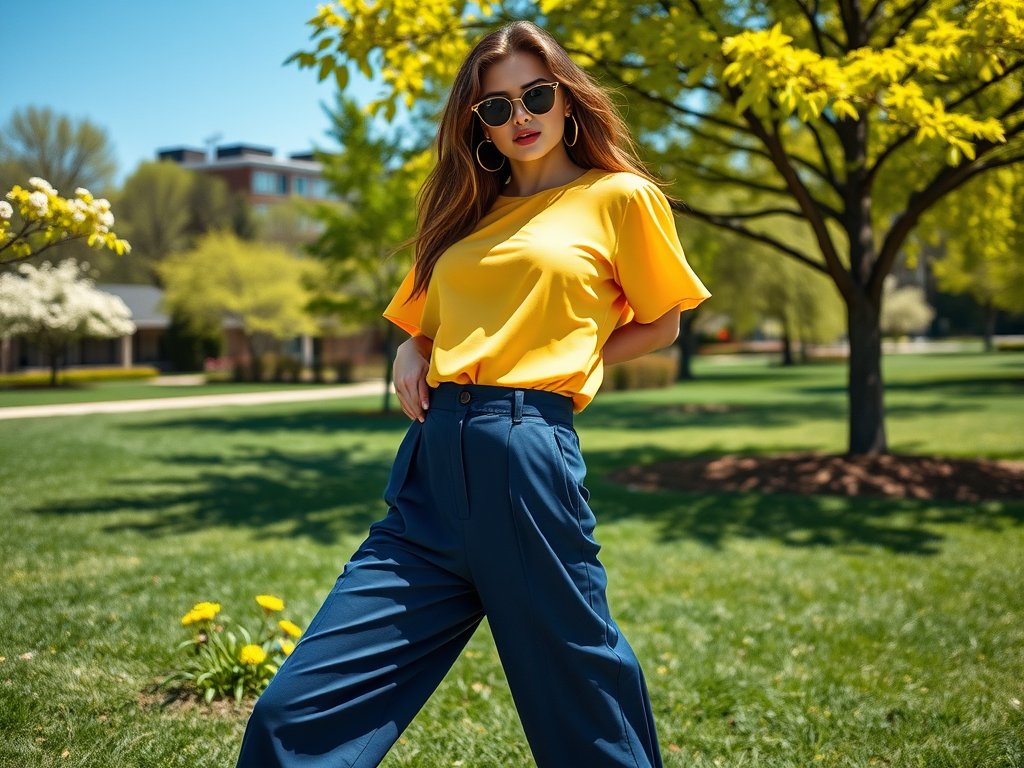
{"points": [[528, 139]]}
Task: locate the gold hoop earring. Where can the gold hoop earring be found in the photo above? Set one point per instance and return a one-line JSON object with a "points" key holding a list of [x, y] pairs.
{"points": [[576, 136], [489, 170]]}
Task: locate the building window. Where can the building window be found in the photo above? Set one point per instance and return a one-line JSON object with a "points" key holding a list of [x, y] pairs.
{"points": [[264, 183], [300, 186], [321, 188]]}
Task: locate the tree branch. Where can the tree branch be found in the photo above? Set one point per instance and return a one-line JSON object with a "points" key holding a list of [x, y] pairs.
{"points": [[753, 150], [719, 176], [807, 204], [915, 10], [944, 182], [1015, 106], [829, 175], [729, 223]]}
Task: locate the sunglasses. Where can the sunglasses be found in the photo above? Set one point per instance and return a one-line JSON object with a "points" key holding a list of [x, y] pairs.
{"points": [[497, 110]]}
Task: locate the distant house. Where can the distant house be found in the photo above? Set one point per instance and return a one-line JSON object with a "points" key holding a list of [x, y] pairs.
{"points": [[256, 172]]}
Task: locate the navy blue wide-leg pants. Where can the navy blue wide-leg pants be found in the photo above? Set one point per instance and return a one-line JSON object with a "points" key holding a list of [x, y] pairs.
{"points": [[487, 515]]}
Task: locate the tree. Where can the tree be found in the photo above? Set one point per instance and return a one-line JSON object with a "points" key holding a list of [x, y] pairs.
{"points": [[54, 306], [379, 184], [853, 119], [164, 208], [43, 219], [154, 209], [984, 256], [261, 286], [68, 153], [758, 284]]}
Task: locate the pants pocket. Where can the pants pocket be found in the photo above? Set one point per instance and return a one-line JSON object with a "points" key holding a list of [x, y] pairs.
{"points": [[403, 459], [574, 472]]}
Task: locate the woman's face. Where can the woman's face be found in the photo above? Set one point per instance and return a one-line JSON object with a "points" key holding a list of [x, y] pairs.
{"points": [[512, 77]]}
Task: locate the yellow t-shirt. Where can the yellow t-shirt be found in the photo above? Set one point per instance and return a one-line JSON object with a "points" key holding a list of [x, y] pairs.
{"points": [[529, 298]]}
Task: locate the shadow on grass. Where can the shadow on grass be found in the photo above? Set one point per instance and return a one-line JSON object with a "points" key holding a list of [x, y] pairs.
{"points": [[323, 496], [332, 493], [310, 419]]}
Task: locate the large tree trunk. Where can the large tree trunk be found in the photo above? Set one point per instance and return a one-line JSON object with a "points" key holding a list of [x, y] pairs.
{"points": [[389, 357], [867, 411], [687, 346]]}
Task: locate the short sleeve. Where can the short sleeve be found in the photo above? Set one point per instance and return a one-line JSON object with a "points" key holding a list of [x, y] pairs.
{"points": [[408, 317], [649, 263]]}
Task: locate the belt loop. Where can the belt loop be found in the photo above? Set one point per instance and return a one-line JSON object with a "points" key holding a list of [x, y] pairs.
{"points": [[517, 414]]}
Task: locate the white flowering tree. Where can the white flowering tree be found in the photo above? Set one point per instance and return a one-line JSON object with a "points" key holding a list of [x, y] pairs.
{"points": [[54, 306], [46, 219]]}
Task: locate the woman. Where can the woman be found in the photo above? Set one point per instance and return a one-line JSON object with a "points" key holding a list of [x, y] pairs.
{"points": [[521, 292]]}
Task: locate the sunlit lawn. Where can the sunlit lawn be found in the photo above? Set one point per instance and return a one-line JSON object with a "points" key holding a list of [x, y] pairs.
{"points": [[773, 630]]}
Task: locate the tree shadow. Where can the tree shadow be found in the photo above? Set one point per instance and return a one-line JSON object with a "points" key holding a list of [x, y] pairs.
{"points": [[311, 419], [323, 496]]}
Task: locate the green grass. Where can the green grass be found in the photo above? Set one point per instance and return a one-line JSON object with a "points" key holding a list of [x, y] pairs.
{"points": [[134, 390], [773, 630]]}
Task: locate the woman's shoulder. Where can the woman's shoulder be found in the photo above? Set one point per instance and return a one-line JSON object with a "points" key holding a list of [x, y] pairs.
{"points": [[619, 186], [615, 190]]}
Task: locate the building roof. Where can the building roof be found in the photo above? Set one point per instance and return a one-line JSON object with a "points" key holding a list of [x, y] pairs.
{"points": [[143, 301]]}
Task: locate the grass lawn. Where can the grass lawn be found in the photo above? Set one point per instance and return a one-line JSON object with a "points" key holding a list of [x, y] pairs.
{"points": [[773, 630], [135, 390]]}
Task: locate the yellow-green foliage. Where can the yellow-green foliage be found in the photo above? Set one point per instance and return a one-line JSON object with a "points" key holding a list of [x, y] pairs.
{"points": [[78, 376], [47, 219], [263, 286], [985, 256], [221, 663]]}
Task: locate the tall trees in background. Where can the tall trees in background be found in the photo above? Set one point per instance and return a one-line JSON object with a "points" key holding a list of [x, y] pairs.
{"points": [[68, 153], [853, 119], [165, 209]]}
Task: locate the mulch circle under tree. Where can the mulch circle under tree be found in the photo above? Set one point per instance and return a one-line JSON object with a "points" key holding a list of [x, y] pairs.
{"points": [[892, 476]]}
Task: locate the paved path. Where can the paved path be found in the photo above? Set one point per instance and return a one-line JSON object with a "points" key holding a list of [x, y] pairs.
{"points": [[194, 401]]}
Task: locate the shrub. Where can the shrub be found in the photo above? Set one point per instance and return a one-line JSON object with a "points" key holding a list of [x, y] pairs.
{"points": [[221, 662], [288, 369], [78, 376], [646, 372]]}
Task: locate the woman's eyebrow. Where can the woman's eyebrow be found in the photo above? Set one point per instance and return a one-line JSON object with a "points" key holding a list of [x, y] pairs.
{"points": [[505, 93]]}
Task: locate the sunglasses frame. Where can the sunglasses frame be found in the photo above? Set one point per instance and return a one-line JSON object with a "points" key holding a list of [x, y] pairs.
{"points": [[512, 106]]}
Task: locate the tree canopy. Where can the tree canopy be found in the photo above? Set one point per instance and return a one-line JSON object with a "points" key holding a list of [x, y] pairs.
{"points": [[854, 119]]}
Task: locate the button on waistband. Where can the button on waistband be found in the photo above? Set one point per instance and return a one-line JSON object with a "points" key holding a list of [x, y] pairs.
{"points": [[464, 397]]}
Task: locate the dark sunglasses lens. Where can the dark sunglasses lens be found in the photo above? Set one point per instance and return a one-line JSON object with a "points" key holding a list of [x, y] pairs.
{"points": [[495, 112], [540, 99]]}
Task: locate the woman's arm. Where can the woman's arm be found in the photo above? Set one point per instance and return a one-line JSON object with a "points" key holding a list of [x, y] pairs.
{"points": [[635, 339]]}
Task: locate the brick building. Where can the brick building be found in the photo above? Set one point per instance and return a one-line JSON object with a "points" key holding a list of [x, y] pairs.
{"points": [[255, 171]]}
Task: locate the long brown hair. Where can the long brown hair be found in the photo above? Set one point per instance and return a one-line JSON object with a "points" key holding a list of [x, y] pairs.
{"points": [[458, 192]]}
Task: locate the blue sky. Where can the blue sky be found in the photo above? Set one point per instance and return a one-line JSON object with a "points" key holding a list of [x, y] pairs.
{"points": [[156, 75]]}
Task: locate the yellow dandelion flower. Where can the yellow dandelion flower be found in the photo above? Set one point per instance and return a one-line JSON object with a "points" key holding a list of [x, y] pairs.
{"points": [[201, 612], [287, 646], [270, 602], [290, 628], [252, 654]]}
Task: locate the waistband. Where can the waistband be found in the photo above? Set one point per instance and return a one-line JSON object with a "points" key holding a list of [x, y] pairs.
{"points": [[489, 398]]}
